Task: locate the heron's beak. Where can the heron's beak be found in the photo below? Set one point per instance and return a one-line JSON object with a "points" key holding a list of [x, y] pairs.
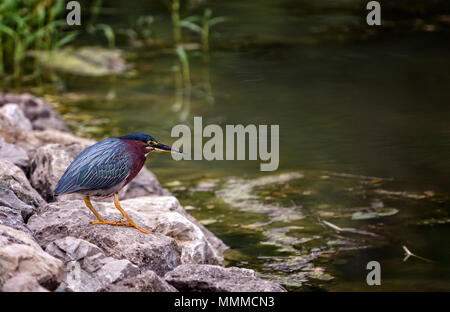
{"points": [[165, 148]]}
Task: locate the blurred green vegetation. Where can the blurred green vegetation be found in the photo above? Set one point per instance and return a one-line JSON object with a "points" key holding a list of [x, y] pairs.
{"points": [[184, 27], [27, 25]]}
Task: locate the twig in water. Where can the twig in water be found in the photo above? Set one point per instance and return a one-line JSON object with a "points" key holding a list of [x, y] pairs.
{"points": [[410, 254], [356, 176], [348, 230], [331, 225]]}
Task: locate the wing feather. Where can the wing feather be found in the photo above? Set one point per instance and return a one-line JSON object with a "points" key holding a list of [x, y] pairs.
{"points": [[100, 166]]}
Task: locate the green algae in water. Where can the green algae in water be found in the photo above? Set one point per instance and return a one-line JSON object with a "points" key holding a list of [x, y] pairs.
{"points": [[360, 215], [297, 250], [86, 61]]}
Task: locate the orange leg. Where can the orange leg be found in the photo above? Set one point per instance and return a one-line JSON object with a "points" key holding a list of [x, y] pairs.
{"points": [[130, 222], [88, 203]]}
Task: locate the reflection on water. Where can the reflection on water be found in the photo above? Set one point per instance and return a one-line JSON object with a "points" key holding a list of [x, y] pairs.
{"points": [[368, 108]]}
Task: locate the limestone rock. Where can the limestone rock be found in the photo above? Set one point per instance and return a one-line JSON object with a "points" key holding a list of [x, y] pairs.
{"points": [[161, 214], [89, 269], [48, 165], [70, 249], [37, 110], [52, 136], [15, 115], [116, 270], [14, 179], [144, 184], [165, 215], [12, 217], [14, 154], [13, 134], [148, 281], [13, 211], [57, 220], [207, 278], [24, 266]]}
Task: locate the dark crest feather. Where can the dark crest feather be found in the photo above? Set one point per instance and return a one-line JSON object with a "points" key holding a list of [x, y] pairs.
{"points": [[139, 136]]}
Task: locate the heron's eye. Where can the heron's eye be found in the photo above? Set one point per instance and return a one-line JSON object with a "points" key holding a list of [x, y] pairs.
{"points": [[152, 143]]}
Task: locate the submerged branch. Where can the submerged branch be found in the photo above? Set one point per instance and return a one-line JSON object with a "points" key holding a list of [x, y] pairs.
{"points": [[410, 254], [348, 230]]}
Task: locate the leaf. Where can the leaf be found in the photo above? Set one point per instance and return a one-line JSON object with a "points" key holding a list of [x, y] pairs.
{"points": [[57, 7], [207, 14], [66, 39], [374, 214], [41, 14], [182, 54], [217, 20], [193, 18], [108, 32], [7, 30], [191, 26], [145, 20]]}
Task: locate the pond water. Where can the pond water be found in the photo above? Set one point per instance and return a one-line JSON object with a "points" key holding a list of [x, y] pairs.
{"points": [[364, 139]]}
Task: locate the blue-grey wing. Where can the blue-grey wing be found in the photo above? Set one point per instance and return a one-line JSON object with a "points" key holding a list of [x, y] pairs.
{"points": [[100, 166]]}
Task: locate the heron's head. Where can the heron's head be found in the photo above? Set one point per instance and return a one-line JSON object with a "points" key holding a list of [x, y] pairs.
{"points": [[151, 143]]}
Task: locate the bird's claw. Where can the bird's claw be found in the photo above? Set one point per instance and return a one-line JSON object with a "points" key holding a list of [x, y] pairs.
{"points": [[115, 222], [121, 223]]}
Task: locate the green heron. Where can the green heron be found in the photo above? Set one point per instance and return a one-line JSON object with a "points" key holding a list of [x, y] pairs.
{"points": [[104, 168]]}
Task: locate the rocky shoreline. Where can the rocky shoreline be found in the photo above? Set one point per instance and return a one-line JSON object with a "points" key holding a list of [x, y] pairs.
{"points": [[49, 244]]}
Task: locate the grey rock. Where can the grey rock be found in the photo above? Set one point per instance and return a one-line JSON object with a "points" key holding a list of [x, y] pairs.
{"points": [[52, 136], [15, 115], [14, 154], [116, 270], [12, 217], [155, 252], [79, 280], [69, 249], [51, 122], [215, 242], [89, 269], [82, 260], [144, 184], [9, 199], [14, 179], [23, 283], [213, 278], [161, 214], [37, 110], [24, 266], [147, 281], [48, 165], [165, 215], [13, 134], [13, 211], [112, 271]]}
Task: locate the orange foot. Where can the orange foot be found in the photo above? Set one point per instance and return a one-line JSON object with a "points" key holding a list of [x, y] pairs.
{"points": [[121, 223], [115, 222]]}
